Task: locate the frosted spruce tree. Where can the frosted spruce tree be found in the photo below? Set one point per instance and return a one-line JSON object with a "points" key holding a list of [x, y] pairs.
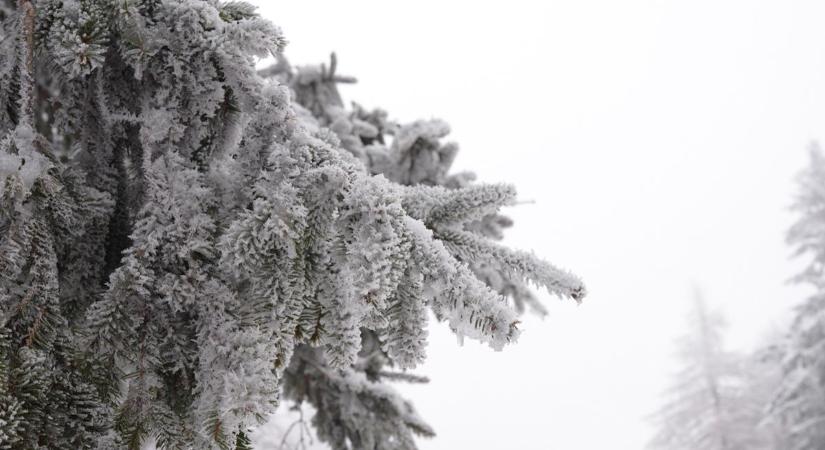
{"points": [[800, 401], [714, 402], [186, 243]]}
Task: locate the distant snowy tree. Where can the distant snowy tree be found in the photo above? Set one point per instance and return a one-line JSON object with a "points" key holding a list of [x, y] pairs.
{"points": [[185, 242], [800, 401], [763, 373], [712, 403]]}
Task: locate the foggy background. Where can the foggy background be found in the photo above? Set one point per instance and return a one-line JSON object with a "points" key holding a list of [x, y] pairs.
{"points": [[658, 140]]}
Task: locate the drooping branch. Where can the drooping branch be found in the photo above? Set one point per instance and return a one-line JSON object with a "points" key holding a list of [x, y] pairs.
{"points": [[27, 19]]}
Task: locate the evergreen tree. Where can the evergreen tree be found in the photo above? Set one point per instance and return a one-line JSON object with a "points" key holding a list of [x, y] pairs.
{"points": [[763, 374], [184, 241], [800, 401], [713, 403]]}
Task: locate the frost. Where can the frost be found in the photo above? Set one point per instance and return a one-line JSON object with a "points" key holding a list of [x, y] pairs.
{"points": [[18, 157]]}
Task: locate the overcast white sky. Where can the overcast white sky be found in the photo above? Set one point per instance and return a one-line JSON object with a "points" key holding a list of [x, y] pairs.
{"points": [[659, 140]]}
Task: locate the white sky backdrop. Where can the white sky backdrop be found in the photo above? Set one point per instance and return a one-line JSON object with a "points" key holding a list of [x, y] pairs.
{"points": [[659, 140]]}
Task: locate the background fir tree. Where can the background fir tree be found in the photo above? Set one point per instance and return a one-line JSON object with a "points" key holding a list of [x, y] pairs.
{"points": [[800, 400], [181, 240], [716, 400]]}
